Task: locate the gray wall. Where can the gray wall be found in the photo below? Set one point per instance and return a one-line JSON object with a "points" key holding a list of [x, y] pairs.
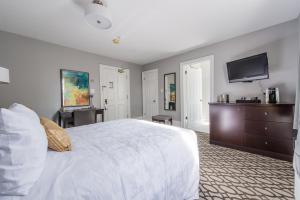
{"points": [[281, 44], [35, 77]]}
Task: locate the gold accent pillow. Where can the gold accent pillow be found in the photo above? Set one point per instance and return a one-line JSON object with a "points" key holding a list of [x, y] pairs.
{"points": [[58, 138]]}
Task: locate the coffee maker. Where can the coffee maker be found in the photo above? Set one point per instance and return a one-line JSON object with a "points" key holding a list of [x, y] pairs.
{"points": [[272, 95]]}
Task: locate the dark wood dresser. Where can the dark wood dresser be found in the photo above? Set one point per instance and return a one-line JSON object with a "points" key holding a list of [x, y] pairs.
{"points": [[264, 129]]}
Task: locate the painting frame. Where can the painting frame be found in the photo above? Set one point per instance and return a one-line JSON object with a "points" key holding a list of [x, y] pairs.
{"points": [[62, 78], [172, 90]]}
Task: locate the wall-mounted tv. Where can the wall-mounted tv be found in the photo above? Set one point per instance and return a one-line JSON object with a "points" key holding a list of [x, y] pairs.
{"points": [[248, 69]]}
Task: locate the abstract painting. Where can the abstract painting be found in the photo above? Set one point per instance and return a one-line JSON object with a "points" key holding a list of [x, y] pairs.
{"points": [[75, 88]]}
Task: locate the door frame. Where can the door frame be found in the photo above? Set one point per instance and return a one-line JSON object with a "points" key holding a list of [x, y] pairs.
{"points": [[182, 84], [143, 90], [128, 87]]}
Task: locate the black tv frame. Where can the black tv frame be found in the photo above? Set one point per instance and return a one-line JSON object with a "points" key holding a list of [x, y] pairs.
{"points": [[253, 78]]}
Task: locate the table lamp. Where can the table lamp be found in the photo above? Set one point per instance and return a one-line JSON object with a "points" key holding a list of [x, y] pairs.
{"points": [[92, 93]]}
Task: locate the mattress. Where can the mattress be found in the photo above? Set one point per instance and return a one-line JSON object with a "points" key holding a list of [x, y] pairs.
{"points": [[297, 187], [123, 159], [296, 164]]}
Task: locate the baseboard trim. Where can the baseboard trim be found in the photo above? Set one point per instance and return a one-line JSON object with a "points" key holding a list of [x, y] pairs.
{"points": [[177, 123]]}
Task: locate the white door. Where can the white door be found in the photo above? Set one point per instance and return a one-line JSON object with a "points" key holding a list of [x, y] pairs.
{"points": [[194, 97], [115, 92], [150, 93], [123, 94], [197, 87], [108, 86]]}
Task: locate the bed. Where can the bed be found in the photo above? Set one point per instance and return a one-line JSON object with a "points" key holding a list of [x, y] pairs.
{"points": [[124, 159], [296, 164]]}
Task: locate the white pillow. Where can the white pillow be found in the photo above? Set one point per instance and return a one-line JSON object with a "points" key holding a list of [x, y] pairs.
{"points": [[23, 151], [19, 108]]}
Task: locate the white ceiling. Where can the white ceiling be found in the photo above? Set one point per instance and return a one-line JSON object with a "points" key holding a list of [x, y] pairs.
{"points": [[149, 29]]}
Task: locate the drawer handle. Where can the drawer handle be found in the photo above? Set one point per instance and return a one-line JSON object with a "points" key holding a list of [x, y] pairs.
{"points": [[266, 113], [266, 128], [266, 142]]}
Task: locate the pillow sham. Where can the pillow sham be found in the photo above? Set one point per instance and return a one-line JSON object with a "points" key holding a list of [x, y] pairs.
{"points": [[19, 108], [23, 150], [58, 138]]}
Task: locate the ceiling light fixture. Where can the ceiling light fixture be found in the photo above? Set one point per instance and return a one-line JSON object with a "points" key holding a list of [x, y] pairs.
{"points": [[98, 15]]}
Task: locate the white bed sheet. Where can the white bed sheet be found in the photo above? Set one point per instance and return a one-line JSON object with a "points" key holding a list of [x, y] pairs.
{"points": [[124, 159], [297, 187], [296, 164]]}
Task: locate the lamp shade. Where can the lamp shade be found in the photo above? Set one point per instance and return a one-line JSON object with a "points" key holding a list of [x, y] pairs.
{"points": [[4, 75], [92, 91]]}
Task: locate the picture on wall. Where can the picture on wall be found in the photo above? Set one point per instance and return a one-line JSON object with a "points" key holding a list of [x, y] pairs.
{"points": [[74, 88]]}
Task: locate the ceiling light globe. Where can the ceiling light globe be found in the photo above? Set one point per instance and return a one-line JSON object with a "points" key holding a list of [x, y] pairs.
{"points": [[98, 16]]}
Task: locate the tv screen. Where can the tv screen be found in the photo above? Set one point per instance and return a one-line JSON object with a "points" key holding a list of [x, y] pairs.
{"points": [[248, 69]]}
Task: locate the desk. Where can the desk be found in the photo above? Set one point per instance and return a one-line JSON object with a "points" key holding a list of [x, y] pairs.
{"points": [[162, 118], [67, 116]]}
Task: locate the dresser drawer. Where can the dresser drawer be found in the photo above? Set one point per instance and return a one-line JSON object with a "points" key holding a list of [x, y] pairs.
{"points": [[257, 142], [226, 114], [278, 130], [230, 134], [265, 143], [272, 114], [281, 146]]}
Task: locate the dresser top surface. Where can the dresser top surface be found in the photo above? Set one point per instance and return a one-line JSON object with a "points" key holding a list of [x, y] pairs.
{"points": [[252, 104]]}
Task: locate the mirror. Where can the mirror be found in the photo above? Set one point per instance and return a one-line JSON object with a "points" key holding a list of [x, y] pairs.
{"points": [[170, 91]]}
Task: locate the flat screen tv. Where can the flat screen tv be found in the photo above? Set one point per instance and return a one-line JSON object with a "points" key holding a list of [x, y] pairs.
{"points": [[248, 69]]}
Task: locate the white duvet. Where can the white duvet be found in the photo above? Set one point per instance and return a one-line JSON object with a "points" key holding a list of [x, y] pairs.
{"points": [[296, 164], [122, 160]]}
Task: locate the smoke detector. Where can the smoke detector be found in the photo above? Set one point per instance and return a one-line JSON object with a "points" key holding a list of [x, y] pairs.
{"points": [[98, 15]]}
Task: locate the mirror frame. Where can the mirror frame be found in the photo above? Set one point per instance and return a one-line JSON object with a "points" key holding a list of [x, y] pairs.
{"points": [[173, 73]]}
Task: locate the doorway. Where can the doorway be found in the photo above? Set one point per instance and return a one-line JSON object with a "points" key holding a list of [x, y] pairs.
{"points": [[115, 92], [150, 93], [196, 92]]}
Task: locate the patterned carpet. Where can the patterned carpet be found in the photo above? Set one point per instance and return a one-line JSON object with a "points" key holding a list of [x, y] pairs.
{"points": [[231, 174]]}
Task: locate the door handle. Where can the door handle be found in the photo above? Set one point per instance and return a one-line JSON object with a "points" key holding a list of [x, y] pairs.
{"points": [[105, 101], [154, 101]]}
